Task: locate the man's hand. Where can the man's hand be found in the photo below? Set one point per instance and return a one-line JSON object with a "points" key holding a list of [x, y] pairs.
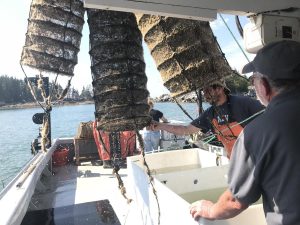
{"points": [[201, 209], [154, 126], [226, 207]]}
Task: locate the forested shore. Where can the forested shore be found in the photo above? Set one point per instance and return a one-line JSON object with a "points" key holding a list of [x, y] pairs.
{"points": [[15, 93]]}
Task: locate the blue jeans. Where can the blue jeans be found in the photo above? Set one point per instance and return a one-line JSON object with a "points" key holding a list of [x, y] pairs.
{"points": [[151, 140]]}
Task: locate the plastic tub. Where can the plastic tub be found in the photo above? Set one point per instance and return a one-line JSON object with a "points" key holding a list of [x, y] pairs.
{"points": [[60, 157]]}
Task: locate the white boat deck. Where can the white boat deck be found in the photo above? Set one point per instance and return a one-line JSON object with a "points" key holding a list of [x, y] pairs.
{"points": [[72, 186], [89, 194]]}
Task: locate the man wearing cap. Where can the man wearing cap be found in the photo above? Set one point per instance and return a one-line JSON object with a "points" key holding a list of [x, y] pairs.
{"points": [[226, 117], [266, 155]]}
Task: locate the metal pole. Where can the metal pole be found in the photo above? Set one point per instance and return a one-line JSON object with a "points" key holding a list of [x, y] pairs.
{"points": [[200, 102], [48, 109]]}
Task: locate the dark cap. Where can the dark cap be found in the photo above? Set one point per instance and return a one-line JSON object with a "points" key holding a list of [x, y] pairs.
{"points": [[277, 60]]}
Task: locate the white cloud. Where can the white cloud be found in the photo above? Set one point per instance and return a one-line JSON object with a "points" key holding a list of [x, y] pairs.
{"points": [[218, 23]]}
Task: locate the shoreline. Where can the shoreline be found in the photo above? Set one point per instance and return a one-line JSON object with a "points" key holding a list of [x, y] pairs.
{"points": [[36, 105], [30, 105]]}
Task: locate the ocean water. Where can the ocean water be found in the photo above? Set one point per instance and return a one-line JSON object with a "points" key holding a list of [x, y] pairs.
{"points": [[17, 130]]}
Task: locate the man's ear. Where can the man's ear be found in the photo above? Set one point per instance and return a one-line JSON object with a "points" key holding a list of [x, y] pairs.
{"points": [[267, 87]]}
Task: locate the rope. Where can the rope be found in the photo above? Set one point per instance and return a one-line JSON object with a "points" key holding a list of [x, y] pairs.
{"points": [[226, 123], [234, 37], [54, 88], [41, 86], [116, 169], [214, 135], [141, 143], [65, 91], [31, 89], [44, 133], [183, 110], [151, 180]]}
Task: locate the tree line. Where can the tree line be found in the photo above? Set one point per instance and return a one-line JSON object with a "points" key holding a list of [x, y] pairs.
{"points": [[13, 91]]}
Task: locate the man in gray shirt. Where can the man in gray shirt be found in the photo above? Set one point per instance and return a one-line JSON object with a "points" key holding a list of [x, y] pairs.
{"points": [[266, 156]]}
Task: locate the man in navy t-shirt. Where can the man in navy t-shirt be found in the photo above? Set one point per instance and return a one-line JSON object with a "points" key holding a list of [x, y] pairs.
{"points": [[226, 118]]}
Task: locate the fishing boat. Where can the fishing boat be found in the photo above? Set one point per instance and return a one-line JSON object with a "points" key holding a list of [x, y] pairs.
{"points": [[157, 188], [90, 194]]}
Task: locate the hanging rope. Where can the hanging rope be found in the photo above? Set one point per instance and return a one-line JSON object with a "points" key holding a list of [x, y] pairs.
{"points": [[151, 180], [44, 133], [32, 60], [116, 169], [141, 144], [31, 88], [183, 110]]}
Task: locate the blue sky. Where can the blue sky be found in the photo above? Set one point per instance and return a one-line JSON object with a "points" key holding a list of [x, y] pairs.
{"points": [[13, 26]]}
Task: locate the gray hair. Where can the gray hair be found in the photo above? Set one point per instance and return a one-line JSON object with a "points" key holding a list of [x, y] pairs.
{"points": [[280, 85]]}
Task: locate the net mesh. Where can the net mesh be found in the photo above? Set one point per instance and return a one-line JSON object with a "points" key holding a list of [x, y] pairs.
{"points": [[118, 70], [186, 52], [53, 35]]}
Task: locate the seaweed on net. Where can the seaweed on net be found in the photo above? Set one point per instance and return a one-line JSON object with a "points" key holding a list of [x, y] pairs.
{"points": [[51, 45], [186, 52], [53, 36], [118, 70]]}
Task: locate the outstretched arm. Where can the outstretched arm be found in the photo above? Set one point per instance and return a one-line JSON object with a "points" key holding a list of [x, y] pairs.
{"points": [[164, 119], [175, 129], [226, 207]]}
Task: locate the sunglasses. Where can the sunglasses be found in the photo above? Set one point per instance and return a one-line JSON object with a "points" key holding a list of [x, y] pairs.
{"points": [[213, 86]]}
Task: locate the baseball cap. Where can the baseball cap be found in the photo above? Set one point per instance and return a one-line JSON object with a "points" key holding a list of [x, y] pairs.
{"points": [[277, 60]]}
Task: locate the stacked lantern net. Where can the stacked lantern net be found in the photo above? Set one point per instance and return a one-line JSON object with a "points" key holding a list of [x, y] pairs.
{"points": [[53, 35], [52, 43], [118, 69], [185, 51]]}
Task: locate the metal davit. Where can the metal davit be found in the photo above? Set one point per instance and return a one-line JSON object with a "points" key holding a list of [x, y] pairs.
{"points": [[118, 70], [186, 52], [53, 35]]}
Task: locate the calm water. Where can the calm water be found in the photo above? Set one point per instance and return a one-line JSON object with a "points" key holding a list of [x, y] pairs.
{"points": [[17, 130]]}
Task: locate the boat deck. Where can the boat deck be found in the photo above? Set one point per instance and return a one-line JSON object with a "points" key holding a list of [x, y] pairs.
{"points": [[86, 194]]}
